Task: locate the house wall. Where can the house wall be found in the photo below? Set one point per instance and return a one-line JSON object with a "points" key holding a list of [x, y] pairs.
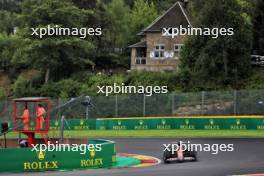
{"points": [[153, 64], [133, 58]]}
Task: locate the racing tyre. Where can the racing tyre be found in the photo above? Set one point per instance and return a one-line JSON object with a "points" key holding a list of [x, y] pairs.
{"points": [[194, 155], [166, 155]]}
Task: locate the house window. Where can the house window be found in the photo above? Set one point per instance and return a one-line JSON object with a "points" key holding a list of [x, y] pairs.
{"points": [[177, 49], [159, 51], [140, 61]]}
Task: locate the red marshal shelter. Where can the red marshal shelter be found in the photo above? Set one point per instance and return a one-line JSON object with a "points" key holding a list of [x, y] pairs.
{"points": [[32, 116]]}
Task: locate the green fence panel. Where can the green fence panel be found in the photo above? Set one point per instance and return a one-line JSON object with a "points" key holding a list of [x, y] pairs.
{"points": [[162, 123], [74, 124], [25, 160], [231, 123]]}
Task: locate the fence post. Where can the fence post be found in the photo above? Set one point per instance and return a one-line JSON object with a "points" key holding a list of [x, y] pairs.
{"points": [[202, 108], [62, 128], [172, 104], [58, 104], [144, 105], [235, 102], [116, 106]]}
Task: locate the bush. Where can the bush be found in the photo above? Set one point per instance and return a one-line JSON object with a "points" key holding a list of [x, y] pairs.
{"points": [[50, 89], [26, 83], [2, 92], [23, 87], [69, 88], [256, 81], [90, 86], [169, 79], [112, 61], [64, 89]]}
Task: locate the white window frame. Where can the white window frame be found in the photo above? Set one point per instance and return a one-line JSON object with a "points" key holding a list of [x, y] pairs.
{"points": [[177, 50], [160, 51], [141, 62]]}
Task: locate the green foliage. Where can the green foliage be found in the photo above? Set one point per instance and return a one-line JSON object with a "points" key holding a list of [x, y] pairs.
{"points": [[26, 83], [223, 61], [49, 89], [5, 84], [143, 13], [69, 88], [10, 5], [112, 61], [113, 17], [2, 92], [59, 56], [163, 5], [90, 85], [66, 65], [259, 27], [23, 87], [60, 12], [65, 88], [121, 24], [256, 81], [169, 79], [117, 13], [7, 22], [8, 46]]}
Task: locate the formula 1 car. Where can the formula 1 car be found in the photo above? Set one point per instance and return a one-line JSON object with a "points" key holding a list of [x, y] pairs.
{"points": [[179, 155]]}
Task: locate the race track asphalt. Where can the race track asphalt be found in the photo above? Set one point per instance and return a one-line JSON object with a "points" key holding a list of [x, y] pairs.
{"points": [[247, 158]]}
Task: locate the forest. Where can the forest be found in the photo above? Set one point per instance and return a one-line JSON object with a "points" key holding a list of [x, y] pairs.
{"points": [[67, 66]]}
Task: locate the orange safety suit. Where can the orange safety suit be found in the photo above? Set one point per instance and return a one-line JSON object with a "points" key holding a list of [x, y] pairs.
{"points": [[26, 119], [40, 113]]}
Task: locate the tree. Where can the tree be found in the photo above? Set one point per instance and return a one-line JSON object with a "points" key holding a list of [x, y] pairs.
{"points": [[142, 14], [7, 22], [164, 5], [113, 18], [10, 5], [117, 30], [209, 62], [8, 46], [58, 56], [259, 27]]}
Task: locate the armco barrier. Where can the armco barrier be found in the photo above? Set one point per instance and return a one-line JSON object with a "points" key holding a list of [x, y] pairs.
{"points": [[25, 160], [166, 123]]}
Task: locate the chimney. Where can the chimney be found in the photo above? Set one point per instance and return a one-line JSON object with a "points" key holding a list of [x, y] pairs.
{"points": [[185, 3]]}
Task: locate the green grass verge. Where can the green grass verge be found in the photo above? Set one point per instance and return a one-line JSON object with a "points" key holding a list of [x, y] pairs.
{"points": [[156, 133]]}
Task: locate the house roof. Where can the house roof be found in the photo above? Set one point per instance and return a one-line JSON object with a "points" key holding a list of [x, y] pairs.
{"points": [[141, 44], [173, 17]]}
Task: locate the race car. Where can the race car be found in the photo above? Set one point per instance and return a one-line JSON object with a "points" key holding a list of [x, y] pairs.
{"points": [[179, 155]]}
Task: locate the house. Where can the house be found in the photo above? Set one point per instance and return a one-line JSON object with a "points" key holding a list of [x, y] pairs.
{"points": [[156, 52]]}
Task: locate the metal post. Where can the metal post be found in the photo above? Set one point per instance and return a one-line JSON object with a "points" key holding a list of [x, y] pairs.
{"points": [[235, 102], [19, 138], [59, 102], [87, 112], [116, 106], [5, 140], [62, 129], [203, 97], [144, 105], [172, 104]]}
